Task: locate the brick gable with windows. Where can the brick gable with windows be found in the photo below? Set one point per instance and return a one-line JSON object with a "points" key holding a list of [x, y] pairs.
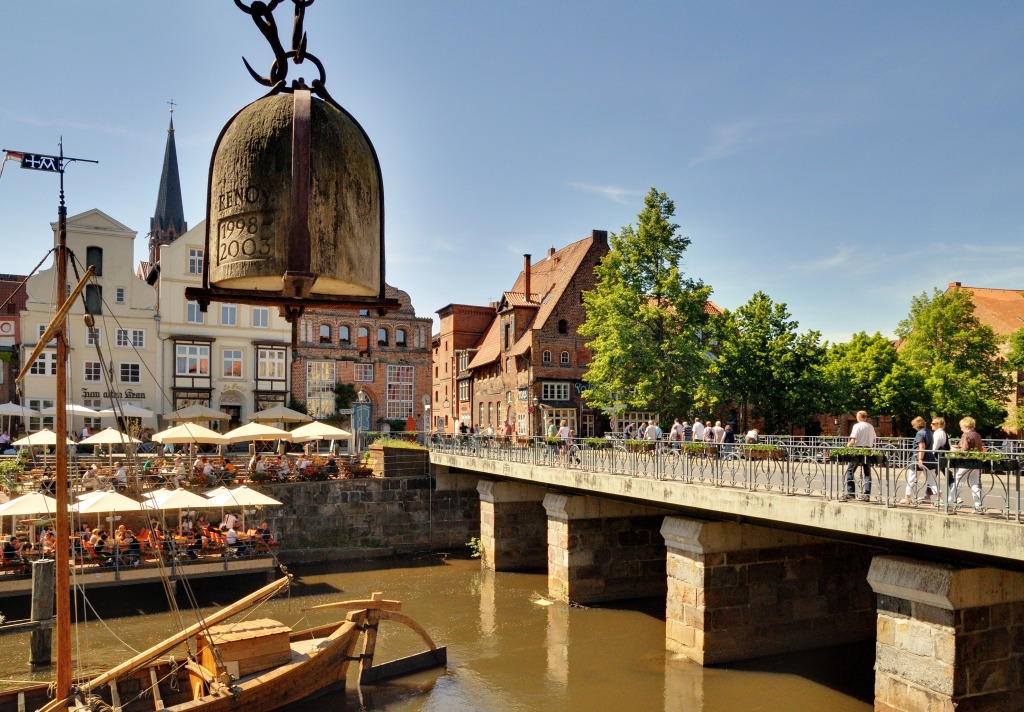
{"points": [[506, 372], [357, 347]]}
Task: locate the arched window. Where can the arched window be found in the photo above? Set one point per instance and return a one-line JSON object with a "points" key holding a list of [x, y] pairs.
{"points": [[363, 333], [400, 337], [563, 326], [325, 334], [382, 337], [508, 367], [343, 336], [94, 259], [565, 358], [546, 358]]}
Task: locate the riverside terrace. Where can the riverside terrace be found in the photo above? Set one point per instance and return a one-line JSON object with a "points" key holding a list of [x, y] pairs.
{"points": [[759, 551]]}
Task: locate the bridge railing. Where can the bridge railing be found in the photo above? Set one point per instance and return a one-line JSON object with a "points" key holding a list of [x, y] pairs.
{"points": [[812, 467]]}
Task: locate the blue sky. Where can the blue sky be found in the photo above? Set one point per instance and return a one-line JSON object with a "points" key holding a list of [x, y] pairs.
{"points": [[841, 157]]}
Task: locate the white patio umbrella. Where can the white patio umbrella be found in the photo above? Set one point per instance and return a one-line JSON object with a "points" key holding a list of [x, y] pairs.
{"points": [[127, 411], [257, 431], [106, 502], [318, 431], [18, 411], [174, 499], [195, 412], [190, 433], [110, 436], [40, 439], [242, 497], [27, 504], [279, 414], [72, 409]]}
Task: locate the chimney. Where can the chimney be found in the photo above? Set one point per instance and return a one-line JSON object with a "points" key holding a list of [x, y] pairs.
{"points": [[526, 273], [551, 252], [954, 285], [600, 236]]}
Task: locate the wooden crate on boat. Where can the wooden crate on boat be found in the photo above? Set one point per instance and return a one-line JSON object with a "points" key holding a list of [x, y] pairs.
{"points": [[253, 645]]}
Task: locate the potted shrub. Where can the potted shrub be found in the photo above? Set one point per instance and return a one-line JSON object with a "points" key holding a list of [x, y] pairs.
{"points": [[975, 460], [857, 454], [762, 452]]}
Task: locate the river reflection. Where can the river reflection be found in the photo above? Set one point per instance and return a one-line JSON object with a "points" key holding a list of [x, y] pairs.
{"points": [[506, 650]]}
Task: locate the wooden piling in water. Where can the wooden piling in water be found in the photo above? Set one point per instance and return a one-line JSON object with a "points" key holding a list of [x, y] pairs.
{"points": [[43, 588]]}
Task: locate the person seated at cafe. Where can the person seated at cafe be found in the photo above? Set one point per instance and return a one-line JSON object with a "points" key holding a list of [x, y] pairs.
{"points": [[227, 470], [209, 472], [284, 470], [49, 541], [331, 468], [119, 533], [263, 532], [194, 543], [185, 526], [231, 539], [48, 483], [120, 477], [301, 464], [256, 464], [201, 524], [9, 552], [131, 548], [197, 466], [230, 520]]}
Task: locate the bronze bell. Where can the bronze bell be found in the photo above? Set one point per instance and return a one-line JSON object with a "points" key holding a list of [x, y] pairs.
{"points": [[296, 203]]}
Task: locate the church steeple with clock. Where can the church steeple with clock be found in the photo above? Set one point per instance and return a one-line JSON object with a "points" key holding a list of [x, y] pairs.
{"points": [[168, 221]]}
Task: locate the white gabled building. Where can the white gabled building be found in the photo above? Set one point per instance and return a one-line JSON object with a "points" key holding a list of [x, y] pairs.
{"points": [[234, 357], [120, 358]]}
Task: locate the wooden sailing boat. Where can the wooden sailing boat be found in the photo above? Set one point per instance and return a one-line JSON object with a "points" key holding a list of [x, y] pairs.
{"points": [[256, 666]]}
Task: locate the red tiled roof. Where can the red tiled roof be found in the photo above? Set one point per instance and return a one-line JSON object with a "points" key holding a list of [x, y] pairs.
{"points": [[518, 299], [1001, 309], [488, 346]]}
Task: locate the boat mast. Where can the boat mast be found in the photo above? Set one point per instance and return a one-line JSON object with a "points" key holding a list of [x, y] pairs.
{"points": [[63, 533]]}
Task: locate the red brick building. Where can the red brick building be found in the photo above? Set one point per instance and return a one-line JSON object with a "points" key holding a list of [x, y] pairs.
{"points": [[12, 302], [520, 360], [386, 358]]}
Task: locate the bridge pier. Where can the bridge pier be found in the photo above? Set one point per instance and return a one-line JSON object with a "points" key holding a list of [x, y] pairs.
{"points": [[602, 549], [948, 636], [513, 526], [737, 591]]}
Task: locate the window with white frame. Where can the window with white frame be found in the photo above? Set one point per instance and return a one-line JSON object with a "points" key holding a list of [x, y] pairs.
{"points": [[480, 417], [399, 391], [260, 317], [93, 372], [42, 330], [520, 423], [565, 358], [93, 336], [546, 358], [362, 372], [192, 360], [195, 261], [44, 365], [490, 414], [46, 421], [193, 315], [554, 390], [130, 373], [231, 365], [463, 391], [119, 295], [566, 414], [130, 338], [271, 363], [228, 314], [320, 380]]}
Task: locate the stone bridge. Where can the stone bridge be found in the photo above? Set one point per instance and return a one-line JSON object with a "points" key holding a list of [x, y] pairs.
{"points": [[762, 556]]}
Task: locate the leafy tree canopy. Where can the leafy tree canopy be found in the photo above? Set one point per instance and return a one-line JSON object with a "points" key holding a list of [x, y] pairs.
{"points": [[957, 357], [644, 318], [764, 363]]}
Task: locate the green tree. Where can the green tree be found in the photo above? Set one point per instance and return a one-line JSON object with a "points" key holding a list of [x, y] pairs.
{"points": [[644, 319], [1015, 360], [764, 364], [866, 373], [957, 357]]}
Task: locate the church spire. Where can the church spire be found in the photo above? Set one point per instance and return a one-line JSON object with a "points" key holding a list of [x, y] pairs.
{"points": [[168, 222]]}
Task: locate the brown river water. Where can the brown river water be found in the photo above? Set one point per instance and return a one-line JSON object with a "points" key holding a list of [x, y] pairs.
{"points": [[506, 651]]}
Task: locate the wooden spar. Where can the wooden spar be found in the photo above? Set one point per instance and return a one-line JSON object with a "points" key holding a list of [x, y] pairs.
{"points": [[377, 604], [169, 643], [53, 326], [62, 528], [370, 642]]}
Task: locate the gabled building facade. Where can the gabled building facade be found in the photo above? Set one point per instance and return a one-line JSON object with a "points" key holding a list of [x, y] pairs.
{"points": [[233, 357], [118, 356], [386, 359], [528, 363], [12, 302]]}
